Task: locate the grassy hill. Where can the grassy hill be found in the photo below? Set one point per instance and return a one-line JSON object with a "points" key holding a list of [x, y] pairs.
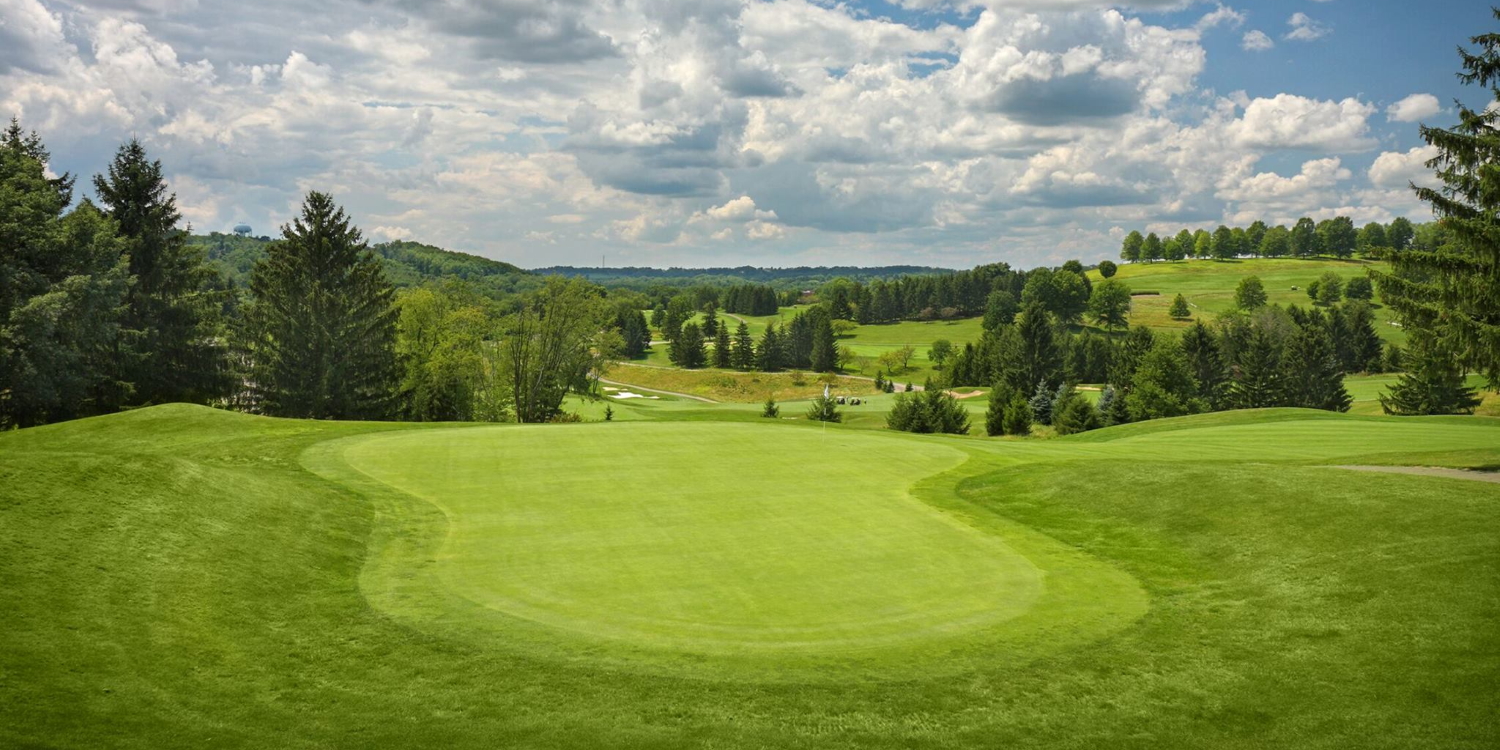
{"points": [[406, 263], [1209, 287], [182, 577]]}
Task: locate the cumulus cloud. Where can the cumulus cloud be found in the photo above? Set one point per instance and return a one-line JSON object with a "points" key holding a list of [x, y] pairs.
{"points": [[1256, 40], [1396, 169], [1305, 29], [1413, 108], [1290, 121]]}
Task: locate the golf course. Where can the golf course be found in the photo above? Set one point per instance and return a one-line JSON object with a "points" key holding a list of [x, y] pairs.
{"points": [[694, 576]]}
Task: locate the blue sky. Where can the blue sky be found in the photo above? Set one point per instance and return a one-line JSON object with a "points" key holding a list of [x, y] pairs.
{"points": [[770, 132]]}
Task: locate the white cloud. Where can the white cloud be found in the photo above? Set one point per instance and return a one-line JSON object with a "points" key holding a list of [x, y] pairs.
{"points": [[383, 233], [1413, 108], [1290, 121], [1256, 40], [1395, 169], [1305, 29]]}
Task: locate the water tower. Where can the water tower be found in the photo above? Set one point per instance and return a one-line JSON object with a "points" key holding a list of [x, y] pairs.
{"points": [[242, 230]]}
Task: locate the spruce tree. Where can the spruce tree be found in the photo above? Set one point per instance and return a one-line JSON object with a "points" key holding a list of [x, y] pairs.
{"points": [[1454, 291], [723, 357], [994, 416], [744, 348], [1257, 373], [1018, 417], [770, 410], [1205, 363], [824, 409], [686, 350], [1180, 309], [318, 334], [1074, 414], [825, 350], [1029, 354], [769, 357], [1432, 383], [1311, 377], [173, 310]]}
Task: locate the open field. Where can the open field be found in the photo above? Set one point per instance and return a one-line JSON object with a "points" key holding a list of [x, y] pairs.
{"points": [[181, 577], [1209, 287], [739, 387]]}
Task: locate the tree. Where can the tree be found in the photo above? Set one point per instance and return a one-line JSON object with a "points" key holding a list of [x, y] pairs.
{"points": [[1206, 363], [723, 357], [1359, 288], [1432, 383], [1365, 347], [940, 353], [1338, 237], [710, 324], [1256, 378], [1304, 238], [1130, 250], [999, 310], [825, 409], [173, 311], [1018, 417], [548, 346], [1311, 377], [1107, 268], [440, 342], [1250, 294], [1254, 235], [1203, 244], [1184, 246], [635, 334], [1371, 238], [1040, 404], [1330, 288], [1453, 291], [1151, 249], [1225, 246], [770, 410], [1180, 309], [1074, 414], [744, 348], [1001, 397], [825, 351], [686, 351], [1062, 293], [1029, 354], [1109, 305], [768, 356], [63, 282], [1163, 385], [319, 331], [1399, 234], [1276, 243]]}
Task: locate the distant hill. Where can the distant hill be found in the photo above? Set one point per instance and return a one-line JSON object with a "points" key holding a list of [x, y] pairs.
{"points": [[406, 263], [723, 276]]}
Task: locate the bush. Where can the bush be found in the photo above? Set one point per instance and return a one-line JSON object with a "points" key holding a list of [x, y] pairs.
{"points": [[771, 410], [1075, 414], [1018, 418], [824, 409]]}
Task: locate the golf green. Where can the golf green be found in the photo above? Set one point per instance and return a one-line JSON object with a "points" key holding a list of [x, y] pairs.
{"points": [[744, 544]]}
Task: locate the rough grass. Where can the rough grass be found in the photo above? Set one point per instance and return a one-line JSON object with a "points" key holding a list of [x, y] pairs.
{"points": [[739, 387], [178, 577]]}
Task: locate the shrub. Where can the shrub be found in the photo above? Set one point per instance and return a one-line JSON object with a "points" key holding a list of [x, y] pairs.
{"points": [[770, 410], [824, 409]]}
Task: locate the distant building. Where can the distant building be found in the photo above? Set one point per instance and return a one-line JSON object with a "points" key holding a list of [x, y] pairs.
{"points": [[242, 230]]}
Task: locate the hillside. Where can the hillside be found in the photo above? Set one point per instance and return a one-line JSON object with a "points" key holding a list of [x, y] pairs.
{"points": [[784, 279], [406, 263]]}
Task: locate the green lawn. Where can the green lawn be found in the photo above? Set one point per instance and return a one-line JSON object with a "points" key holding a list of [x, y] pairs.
{"points": [[701, 577]]}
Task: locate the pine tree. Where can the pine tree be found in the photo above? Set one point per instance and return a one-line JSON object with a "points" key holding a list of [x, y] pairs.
{"points": [[1029, 353], [825, 409], [1018, 417], [1180, 309], [769, 356], [723, 357], [319, 331], [994, 416], [944, 413], [1205, 363], [1163, 384], [1256, 381], [1311, 375], [1454, 292], [1433, 383], [686, 350], [744, 348], [1074, 414], [173, 310], [710, 321], [770, 410], [825, 349]]}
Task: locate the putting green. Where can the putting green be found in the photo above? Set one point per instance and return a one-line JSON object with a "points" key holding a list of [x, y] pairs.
{"points": [[722, 544]]}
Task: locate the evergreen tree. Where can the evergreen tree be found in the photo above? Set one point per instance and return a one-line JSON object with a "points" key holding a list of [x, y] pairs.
{"points": [[686, 350], [1132, 350], [1180, 309], [1041, 404], [723, 357], [944, 413], [1163, 384], [825, 351], [710, 324], [1454, 291], [1205, 363], [1256, 381], [768, 357], [1029, 353], [744, 349], [1001, 397], [1432, 383], [1311, 377], [173, 310], [1364, 343], [908, 414], [1074, 414], [1018, 417], [825, 409], [318, 333], [770, 410], [999, 310]]}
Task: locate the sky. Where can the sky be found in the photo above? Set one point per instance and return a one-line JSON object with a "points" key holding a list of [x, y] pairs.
{"points": [[722, 133]]}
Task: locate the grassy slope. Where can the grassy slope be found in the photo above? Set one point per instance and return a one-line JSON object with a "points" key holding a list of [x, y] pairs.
{"points": [[1209, 287], [175, 577]]}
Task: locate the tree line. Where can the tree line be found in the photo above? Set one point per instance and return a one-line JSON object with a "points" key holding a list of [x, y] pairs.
{"points": [[1337, 237]]}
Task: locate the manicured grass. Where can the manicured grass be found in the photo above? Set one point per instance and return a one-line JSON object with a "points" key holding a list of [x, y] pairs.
{"points": [[1209, 287], [180, 577]]}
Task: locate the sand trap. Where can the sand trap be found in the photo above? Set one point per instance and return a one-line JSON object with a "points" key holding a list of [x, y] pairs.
{"points": [[970, 394], [1431, 471], [628, 394]]}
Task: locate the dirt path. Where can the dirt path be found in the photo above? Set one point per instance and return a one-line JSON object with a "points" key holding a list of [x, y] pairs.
{"points": [[634, 387], [1431, 471]]}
